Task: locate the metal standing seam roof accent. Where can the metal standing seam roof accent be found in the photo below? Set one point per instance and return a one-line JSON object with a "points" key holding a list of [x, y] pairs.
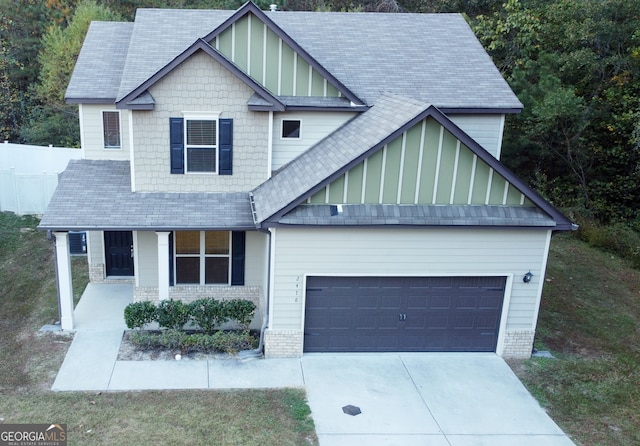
{"points": [[417, 215], [96, 195]]}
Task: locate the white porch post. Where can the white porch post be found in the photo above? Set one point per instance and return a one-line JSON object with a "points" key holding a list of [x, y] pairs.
{"points": [[163, 265], [65, 290]]}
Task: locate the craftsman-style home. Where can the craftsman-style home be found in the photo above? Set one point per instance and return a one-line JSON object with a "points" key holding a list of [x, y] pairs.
{"points": [[341, 170]]}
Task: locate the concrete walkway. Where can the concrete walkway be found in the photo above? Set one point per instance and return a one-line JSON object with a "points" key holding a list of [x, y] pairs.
{"points": [[452, 399]]}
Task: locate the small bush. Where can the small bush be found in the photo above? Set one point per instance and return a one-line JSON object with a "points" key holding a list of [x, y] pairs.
{"points": [[233, 341], [617, 238], [208, 314], [199, 342], [172, 339], [240, 310], [172, 314], [145, 340], [138, 314]]}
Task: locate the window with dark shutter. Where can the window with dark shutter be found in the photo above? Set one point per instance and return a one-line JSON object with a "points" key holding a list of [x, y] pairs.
{"points": [[201, 145], [238, 243], [226, 146], [176, 138]]}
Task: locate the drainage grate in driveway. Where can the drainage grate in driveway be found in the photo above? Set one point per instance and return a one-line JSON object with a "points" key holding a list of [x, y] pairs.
{"points": [[351, 410]]}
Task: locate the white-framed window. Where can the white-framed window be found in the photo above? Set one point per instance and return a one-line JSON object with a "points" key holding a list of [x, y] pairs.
{"points": [[202, 257], [291, 129], [111, 129], [201, 143]]}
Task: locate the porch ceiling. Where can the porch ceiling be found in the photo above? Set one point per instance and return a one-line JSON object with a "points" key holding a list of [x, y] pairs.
{"points": [[96, 195]]}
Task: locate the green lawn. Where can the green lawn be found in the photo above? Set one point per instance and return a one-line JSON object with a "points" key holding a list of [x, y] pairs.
{"points": [[30, 361], [590, 321]]}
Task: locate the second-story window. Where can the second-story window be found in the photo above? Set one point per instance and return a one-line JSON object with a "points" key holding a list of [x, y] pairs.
{"points": [[111, 129], [201, 144], [290, 129]]}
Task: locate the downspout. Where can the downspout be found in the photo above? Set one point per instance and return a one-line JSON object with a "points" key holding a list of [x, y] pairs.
{"points": [[258, 352]]}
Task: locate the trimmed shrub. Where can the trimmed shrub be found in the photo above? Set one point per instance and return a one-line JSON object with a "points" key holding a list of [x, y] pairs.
{"points": [[145, 340], [233, 341], [240, 310], [208, 314], [172, 314], [138, 314]]}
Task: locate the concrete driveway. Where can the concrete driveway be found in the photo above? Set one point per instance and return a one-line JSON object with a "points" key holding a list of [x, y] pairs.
{"points": [[435, 399], [424, 399]]}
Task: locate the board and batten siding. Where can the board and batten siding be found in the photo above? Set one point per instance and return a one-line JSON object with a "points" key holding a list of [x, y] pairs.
{"points": [[93, 135], [407, 252], [200, 84], [427, 164], [486, 130], [314, 126], [259, 52]]}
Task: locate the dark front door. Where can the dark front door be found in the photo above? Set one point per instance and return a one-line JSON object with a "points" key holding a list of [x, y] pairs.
{"points": [[386, 314], [118, 248]]}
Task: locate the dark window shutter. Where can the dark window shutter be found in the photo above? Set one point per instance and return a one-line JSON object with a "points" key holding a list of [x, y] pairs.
{"points": [[226, 146], [171, 259], [238, 242], [176, 138]]}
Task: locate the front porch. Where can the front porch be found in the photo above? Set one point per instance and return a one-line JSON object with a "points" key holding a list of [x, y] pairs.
{"points": [[92, 364]]}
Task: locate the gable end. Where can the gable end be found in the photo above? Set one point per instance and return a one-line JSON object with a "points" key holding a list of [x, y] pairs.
{"points": [[249, 38]]}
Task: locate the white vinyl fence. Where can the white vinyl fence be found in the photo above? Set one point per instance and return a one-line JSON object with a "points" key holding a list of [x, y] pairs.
{"points": [[29, 175]]}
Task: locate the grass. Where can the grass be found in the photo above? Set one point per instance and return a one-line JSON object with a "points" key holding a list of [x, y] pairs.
{"points": [[30, 361], [590, 320]]}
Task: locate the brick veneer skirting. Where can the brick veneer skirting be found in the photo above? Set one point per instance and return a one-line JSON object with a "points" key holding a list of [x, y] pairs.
{"points": [[96, 275], [189, 293], [282, 343], [518, 343]]}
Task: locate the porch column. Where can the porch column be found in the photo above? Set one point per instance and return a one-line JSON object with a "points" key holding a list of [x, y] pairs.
{"points": [[163, 265], [65, 290]]}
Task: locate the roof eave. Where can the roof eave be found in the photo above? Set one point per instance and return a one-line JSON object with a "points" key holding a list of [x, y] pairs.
{"points": [[72, 100], [474, 110]]}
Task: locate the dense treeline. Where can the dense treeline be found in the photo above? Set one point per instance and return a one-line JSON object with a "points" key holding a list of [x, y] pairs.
{"points": [[574, 64]]}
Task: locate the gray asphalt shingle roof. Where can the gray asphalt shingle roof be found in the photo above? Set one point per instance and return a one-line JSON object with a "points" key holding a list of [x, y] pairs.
{"points": [[434, 58], [99, 67], [96, 194]]}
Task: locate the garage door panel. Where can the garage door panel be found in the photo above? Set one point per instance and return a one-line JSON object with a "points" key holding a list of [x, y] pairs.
{"points": [[403, 313], [437, 302]]}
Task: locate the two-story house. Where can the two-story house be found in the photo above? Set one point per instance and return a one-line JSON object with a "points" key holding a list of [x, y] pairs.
{"points": [[339, 169]]}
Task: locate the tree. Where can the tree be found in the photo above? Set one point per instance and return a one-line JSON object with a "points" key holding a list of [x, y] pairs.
{"points": [[52, 121], [575, 67]]}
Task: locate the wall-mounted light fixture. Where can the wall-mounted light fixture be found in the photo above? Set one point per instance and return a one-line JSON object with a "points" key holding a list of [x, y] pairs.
{"points": [[527, 277]]}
